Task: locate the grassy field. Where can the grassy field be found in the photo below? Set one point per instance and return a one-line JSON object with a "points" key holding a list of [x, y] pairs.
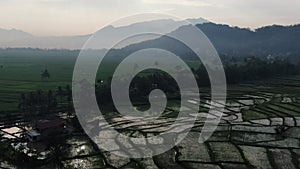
{"points": [[21, 73], [21, 69]]}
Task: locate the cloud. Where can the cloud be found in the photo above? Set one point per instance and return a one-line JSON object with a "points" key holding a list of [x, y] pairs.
{"points": [[179, 2], [69, 17], [164, 10]]}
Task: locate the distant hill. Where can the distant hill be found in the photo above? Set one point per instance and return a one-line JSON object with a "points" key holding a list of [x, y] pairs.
{"points": [[234, 41], [270, 40], [13, 34], [19, 39]]}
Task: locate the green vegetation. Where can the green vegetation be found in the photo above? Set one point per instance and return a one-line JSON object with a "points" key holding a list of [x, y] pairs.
{"points": [[21, 73], [29, 70]]}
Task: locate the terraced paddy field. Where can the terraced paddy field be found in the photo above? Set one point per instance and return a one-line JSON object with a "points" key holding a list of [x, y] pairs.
{"points": [[260, 127]]}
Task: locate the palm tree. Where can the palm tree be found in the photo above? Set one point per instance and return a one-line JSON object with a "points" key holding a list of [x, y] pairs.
{"points": [[57, 152], [31, 102], [51, 102], [60, 92], [22, 103], [40, 100], [69, 100], [23, 106]]}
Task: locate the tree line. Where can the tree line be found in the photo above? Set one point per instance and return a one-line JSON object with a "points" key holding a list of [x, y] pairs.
{"points": [[46, 102], [237, 71]]}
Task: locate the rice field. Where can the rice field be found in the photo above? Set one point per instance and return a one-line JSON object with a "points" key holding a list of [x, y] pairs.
{"points": [[21, 71], [254, 113]]}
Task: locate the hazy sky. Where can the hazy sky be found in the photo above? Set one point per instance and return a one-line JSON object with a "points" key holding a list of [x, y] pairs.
{"points": [[73, 17]]}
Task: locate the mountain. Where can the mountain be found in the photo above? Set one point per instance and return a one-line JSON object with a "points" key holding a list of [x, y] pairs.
{"points": [[13, 34], [19, 39], [233, 41], [269, 40]]}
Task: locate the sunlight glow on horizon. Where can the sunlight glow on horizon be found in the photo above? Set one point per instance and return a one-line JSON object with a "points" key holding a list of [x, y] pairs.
{"points": [[79, 17]]}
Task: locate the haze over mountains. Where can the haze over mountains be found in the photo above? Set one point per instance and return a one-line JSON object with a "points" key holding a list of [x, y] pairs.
{"points": [[269, 40], [19, 39]]}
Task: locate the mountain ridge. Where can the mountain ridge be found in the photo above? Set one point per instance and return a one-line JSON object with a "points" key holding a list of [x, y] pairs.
{"points": [[274, 39], [22, 39]]}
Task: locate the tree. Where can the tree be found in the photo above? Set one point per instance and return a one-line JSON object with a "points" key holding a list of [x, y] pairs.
{"points": [[45, 74], [68, 94], [57, 146], [51, 102], [60, 92]]}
